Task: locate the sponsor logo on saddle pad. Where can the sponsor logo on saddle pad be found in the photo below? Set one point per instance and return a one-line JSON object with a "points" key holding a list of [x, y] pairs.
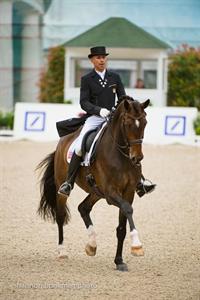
{"points": [[70, 153]]}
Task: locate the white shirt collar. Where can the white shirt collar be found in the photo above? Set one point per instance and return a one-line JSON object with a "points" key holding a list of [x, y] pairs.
{"points": [[101, 74]]}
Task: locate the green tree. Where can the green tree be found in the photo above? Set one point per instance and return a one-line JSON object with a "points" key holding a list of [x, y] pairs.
{"points": [[6, 120], [52, 78], [184, 78]]}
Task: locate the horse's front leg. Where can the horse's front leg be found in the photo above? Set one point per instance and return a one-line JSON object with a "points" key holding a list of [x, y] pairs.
{"points": [[121, 233], [127, 210], [84, 208], [136, 245]]}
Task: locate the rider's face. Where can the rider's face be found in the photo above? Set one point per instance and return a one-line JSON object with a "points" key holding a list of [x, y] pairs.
{"points": [[99, 62]]}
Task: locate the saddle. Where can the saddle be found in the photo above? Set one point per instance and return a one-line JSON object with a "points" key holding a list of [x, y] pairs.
{"points": [[89, 139], [89, 145]]}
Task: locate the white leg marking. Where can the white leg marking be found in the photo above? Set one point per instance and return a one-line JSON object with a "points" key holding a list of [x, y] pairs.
{"points": [[61, 251], [135, 241], [92, 236]]}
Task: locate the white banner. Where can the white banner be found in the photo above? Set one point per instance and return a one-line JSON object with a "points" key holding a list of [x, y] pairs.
{"points": [[166, 125], [37, 121]]}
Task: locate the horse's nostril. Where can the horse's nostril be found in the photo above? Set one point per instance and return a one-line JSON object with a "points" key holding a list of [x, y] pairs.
{"points": [[137, 159]]}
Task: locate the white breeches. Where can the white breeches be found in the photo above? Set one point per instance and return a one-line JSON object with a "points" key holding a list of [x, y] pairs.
{"points": [[91, 123]]}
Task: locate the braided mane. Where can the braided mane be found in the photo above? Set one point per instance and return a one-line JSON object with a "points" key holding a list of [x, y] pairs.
{"points": [[122, 98]]}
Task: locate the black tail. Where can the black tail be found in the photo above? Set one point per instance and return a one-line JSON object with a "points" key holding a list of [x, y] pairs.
{"points": [[47, 206]]}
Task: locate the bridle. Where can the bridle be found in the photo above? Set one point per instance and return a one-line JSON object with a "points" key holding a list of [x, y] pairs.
{"points": [[128, 143]]}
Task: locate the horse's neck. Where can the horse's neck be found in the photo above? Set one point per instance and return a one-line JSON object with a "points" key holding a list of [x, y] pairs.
{"points": [[116, 130]]}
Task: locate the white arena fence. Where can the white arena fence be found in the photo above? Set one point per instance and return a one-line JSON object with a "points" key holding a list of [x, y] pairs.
{"points": [[166, 125]]}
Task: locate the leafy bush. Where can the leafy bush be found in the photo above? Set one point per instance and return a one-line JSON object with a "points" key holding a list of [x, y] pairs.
{"points": [[197, 125], [67, 101], [52, 79], [184, 78], [6, 120]]}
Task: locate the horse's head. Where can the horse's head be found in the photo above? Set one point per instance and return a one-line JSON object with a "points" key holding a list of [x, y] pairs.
{"points": [[132, 122]]}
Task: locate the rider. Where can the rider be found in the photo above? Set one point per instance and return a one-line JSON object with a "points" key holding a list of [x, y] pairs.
{"points": [[97, 97]]}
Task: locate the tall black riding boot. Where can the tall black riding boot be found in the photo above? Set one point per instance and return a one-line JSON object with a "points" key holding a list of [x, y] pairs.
{"points": [[68, 185], [145, 186]]}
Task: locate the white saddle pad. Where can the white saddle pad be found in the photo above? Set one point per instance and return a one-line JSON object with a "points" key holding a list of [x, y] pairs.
{"points": [[86, 160]]}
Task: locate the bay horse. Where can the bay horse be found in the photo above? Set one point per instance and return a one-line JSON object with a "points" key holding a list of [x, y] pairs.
{"points": [[115, 173]]}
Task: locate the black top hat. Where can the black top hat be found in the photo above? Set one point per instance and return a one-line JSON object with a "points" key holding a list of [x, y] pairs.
{"points": [[100, 50]]}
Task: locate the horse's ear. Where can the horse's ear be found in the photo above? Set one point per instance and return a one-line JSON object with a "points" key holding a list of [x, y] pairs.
{"points": [[146, 103], [126, 105]]}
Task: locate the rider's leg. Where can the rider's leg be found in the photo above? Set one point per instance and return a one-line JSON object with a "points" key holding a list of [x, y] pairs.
{"points": [[91, 123], [74, 165], [145, 186]]}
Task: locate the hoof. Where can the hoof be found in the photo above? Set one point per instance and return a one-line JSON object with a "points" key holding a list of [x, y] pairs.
{"points": [[61, 252], [137, 251], [90, 251], [122, 267]]}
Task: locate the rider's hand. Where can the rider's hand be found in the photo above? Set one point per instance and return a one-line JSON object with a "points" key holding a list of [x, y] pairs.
{"points": [[104, 112]]}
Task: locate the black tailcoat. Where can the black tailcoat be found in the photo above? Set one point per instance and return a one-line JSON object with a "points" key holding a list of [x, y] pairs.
{"points": [[96, 93]]}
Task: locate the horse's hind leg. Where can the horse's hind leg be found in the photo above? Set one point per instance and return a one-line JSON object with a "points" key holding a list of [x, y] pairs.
{"points": [[121, 233], [62, 217], [84, 208]]}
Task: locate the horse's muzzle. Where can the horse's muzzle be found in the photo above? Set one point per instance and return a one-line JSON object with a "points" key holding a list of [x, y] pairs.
{"points": [[136, 159]]}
